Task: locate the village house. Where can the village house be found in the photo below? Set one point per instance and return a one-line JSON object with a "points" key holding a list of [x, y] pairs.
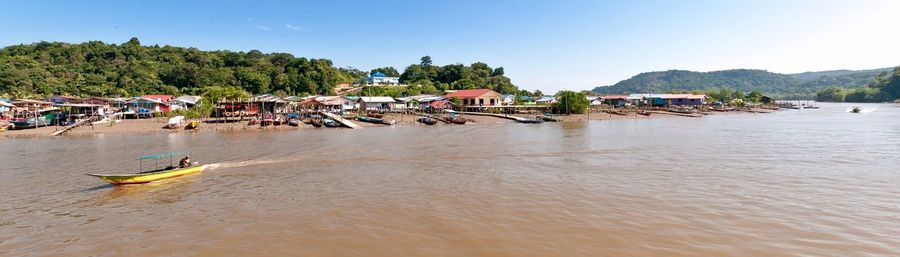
{"points": [[5, 106], [476, 97], [686, 99], [546, 100], [381, 103], [379, 78], [614, 100], [417, 101], [667, 99], [62, 99], [336, 103], [161, 98], [439, 105], [140, 107], [187, 101]]}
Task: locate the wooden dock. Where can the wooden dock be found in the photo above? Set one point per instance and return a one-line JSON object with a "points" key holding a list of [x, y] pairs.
{"points": [[341, 120], [73, 126], [505, 116]]}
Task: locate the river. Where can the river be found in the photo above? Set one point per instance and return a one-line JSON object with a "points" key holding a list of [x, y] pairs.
{"points": [[793, 183]]}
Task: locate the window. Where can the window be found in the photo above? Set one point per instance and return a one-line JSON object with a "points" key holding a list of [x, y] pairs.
{"points": [[481, 101], [492, 101]]}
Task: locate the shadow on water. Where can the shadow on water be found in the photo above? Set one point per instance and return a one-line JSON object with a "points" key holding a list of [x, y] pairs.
{"points": [[98, 187]]}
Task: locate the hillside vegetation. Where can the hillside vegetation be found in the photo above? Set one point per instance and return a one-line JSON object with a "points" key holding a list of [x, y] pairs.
{"points": [[785, 85], [99, 69], [885, 88]]}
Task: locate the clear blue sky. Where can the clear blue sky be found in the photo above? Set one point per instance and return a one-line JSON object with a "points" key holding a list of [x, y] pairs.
{"points": [[548, 45]]}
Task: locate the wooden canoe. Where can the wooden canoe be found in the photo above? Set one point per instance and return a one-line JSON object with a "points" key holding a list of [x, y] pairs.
{"points": [[140, 178]]}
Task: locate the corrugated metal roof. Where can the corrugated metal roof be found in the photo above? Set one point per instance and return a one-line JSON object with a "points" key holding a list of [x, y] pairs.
{"points": [[377, 99]]}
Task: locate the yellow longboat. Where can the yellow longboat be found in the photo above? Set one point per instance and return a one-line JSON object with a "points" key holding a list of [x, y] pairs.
{"points": [[157, 173]]}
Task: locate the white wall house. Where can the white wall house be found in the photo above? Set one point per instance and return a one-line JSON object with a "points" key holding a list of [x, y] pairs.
{"points": [[380, 79]]}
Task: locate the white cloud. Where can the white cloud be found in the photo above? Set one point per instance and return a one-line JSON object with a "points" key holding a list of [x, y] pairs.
{"points": [[262, 27], [292, 27]]}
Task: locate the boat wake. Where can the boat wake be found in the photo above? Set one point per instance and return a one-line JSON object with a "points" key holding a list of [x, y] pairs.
{"points": [[235, 164], [862, 110]]}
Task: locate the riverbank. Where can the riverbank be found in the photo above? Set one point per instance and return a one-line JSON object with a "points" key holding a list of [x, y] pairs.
{"points": [[155, 125]]}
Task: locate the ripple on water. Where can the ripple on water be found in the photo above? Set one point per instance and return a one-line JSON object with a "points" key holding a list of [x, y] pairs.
{"points": [[789, 183]]}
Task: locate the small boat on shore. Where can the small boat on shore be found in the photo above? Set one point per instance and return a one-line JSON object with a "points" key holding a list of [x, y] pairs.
{"points": [[156, 173], [549, 118], [330, 123], [316, 122], [369, 119], [458, 120], [267, 120], [644, 112], [616, 112], [294, 122], [536, 120], [174, 122], [427, 120], [192, 125]]}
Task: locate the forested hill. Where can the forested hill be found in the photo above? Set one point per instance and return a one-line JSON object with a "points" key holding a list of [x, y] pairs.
{"points": [[743, 80], [664, 81], [99, 69]]}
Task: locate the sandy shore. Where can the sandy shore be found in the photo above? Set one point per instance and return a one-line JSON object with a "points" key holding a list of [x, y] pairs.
{"points": [[156, 125]]}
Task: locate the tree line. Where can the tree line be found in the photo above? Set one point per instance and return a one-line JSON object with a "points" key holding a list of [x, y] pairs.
{"points": [[96, 68], [886, 87]]}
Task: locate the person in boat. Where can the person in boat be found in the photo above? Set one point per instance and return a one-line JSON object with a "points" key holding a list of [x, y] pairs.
{"points": [[185, 162]]}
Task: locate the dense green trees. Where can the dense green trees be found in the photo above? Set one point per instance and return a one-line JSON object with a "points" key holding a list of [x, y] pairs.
{"points": [[831, 94], [570, 102], [886, 87], [99, 69], [457, 76], [387, 71], [799, 85]]}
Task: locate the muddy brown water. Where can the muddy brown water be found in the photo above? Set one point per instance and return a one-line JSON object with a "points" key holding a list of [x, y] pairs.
{"points": [[794, 183]]}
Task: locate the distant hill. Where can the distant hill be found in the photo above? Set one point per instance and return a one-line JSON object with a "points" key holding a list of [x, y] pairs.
{"points": [[742, 79], [812, 75], [841, 78]]}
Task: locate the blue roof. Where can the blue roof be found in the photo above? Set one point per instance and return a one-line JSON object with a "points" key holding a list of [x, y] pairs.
{"points": [[161, 155], [378, 75]]}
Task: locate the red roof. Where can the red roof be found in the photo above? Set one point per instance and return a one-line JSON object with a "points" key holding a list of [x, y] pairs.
{"points": [[439, 104], [164, 98], [468, 93]]}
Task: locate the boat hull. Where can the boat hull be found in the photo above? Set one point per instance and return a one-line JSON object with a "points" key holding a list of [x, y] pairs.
{"points": [[140, 178]]}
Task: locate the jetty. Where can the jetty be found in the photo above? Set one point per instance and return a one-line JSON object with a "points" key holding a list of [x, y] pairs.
{"points": [[77, 124], [505, 116], [341, 120]]}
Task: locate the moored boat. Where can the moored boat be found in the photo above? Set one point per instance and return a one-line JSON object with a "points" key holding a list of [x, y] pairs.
{"points": [[427, 120], [192, 125], [532, 121], [549, 117], [330, 123], [458, 120], [157, 172]]}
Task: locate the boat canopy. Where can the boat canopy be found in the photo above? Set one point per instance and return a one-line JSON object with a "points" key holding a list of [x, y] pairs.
{"points": [[162, 155]]}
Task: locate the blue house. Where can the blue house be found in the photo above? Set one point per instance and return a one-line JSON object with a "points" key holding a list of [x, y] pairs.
{"points": [[379, 78]]}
